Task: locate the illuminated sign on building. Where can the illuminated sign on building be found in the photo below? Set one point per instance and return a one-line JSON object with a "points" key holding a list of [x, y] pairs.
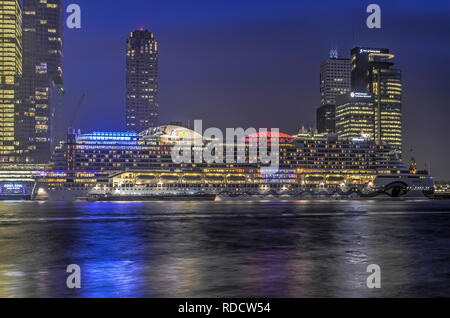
{"points": [[360, 95], [180, 134], [12, 188], [364, 51]]}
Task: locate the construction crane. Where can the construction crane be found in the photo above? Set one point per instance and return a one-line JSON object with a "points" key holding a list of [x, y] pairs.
{"points": [[60, 92], [75, 112]]}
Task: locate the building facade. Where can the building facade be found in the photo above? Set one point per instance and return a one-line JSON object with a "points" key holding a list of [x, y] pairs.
{"points": [[335, 78], [11, 149], [42, 68], [326, 119], [142, 106], [17, 180], [373, 73], [355, 115]]}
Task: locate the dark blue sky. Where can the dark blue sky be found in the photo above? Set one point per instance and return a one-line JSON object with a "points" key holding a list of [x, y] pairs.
{"points": [[256, 62]]}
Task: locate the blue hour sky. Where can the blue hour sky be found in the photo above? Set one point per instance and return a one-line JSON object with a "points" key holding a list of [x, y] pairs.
{"points": [[256, 62]]}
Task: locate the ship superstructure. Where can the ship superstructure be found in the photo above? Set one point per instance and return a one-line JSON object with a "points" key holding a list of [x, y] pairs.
{"points": [[111, 165]]}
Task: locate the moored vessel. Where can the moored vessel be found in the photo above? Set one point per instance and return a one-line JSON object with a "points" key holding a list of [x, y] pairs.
{"points": [[131, 167]]}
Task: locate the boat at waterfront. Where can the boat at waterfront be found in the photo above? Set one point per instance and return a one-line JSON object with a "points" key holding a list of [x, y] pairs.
{"points": [[131, 167]]}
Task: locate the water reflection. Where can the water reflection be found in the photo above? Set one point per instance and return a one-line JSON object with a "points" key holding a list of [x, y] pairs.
{"points": [[291, 249]]}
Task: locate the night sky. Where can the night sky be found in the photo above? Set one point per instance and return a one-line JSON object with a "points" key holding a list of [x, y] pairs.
{"points": [[256, 63]]}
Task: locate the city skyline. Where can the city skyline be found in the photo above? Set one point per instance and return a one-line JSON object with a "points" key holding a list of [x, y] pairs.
{"points": [[200, 79], [244, 117], [224, 149]]}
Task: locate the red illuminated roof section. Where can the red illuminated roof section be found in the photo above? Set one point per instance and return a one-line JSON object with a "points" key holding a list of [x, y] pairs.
{"points": [[270, 136]]}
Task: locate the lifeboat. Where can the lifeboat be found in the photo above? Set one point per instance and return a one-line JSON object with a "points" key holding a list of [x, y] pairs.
{"points": [[236, 179], [215, 178], [192, 178], [169, 178], [146, 178], [314, 179]]}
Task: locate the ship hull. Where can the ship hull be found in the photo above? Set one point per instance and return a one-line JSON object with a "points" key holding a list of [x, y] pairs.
{"points": [[145, 198]]}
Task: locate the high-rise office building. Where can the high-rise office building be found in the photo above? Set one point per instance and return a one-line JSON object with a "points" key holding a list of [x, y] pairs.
{"points": [[355, 115], [10, 73], [142, 81], [335, 81], [372, 73], [335, 78], [326, 119], [42, 67]]}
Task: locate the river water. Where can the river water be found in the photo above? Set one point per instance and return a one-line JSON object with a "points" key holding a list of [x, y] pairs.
{"points": [[225, 249]]}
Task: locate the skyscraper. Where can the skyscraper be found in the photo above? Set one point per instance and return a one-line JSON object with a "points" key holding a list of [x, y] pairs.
{"points": [[355, 115], [142, 81], [42, 64], [372, 73], [10, 72], [335, 78]]}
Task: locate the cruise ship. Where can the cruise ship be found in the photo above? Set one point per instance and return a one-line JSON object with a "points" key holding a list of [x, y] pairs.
{"points": [[139, 167]]}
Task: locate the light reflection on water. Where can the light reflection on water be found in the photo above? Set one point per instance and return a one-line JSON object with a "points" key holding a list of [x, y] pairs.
{"points": [[223, 249]]}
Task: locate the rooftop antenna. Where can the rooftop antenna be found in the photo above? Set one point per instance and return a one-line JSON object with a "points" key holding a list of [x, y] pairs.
{"points": [[334, 53]]}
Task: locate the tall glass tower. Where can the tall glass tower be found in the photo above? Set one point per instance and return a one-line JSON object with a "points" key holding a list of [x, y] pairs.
{"points": [[355, 115], [335, 81], [42, 67], [10, 72], [142, 106], [373, 73], [335, 78]]}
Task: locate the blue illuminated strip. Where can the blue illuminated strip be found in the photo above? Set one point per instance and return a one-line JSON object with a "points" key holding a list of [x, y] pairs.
{"points": [[109, 147], [109, 142], [108, 136], [113, 134]]}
